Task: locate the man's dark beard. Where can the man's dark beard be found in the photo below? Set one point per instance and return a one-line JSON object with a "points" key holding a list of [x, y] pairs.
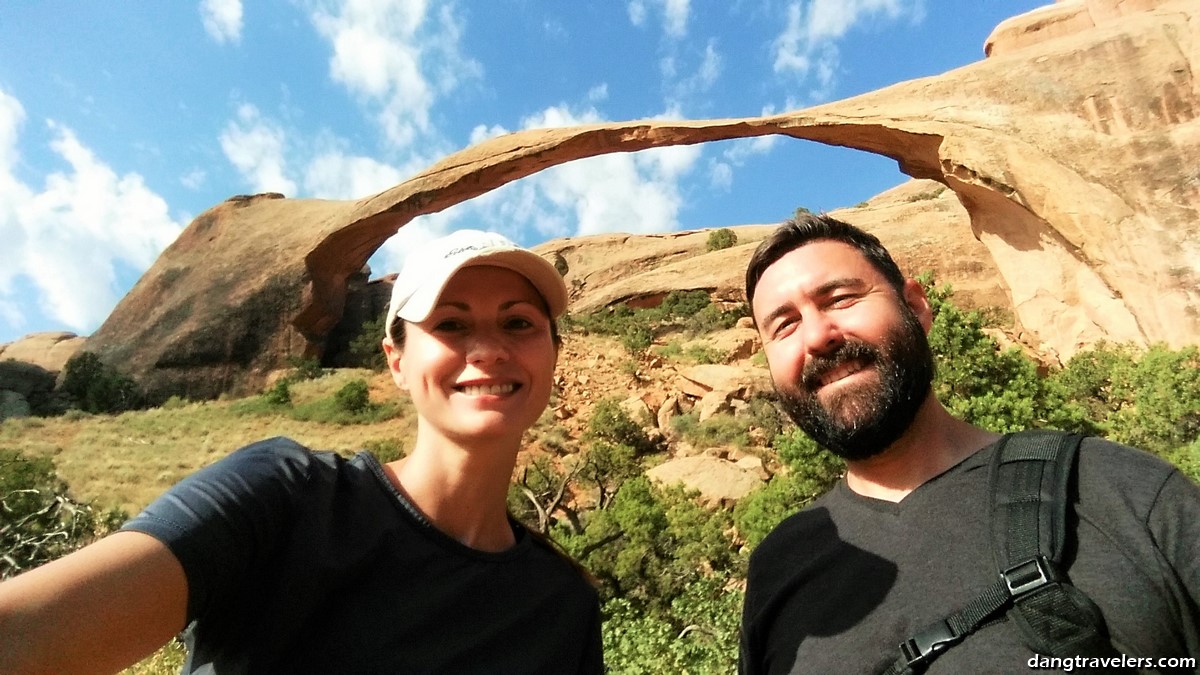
{"points": [[870, 418]]}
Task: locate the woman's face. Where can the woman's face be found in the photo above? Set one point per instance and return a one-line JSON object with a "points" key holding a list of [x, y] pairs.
{"points": [[481, 366]]}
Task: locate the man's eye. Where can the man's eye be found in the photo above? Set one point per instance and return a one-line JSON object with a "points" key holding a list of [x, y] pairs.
{"points": [[785, 327], [843, 300]]}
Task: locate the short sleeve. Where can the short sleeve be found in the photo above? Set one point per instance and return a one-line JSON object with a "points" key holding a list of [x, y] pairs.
{"points": [[225, 520]]}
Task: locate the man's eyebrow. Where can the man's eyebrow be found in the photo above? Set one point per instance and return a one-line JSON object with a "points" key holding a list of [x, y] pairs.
{"points": [[775, 314], [841, 282], [824, 289]]}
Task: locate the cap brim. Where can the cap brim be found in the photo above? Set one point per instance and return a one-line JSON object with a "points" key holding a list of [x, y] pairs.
{"points": [[543, 275]]}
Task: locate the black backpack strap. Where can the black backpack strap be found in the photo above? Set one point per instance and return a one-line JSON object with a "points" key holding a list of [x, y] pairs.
{"points": [[1028, 480], [1030, 475]]}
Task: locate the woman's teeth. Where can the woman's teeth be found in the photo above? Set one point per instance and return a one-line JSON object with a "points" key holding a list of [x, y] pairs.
{"points": [[488, 389]]}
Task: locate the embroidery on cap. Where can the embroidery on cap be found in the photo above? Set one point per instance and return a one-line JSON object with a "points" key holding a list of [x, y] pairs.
{"points": [[461, 249]]}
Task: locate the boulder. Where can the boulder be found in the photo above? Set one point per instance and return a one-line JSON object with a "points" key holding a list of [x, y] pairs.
{"points": [[25, 379], [49, 350], [718, 481]]}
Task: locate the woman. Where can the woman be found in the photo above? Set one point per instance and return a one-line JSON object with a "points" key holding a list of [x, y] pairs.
{"points": [[279, 559]]}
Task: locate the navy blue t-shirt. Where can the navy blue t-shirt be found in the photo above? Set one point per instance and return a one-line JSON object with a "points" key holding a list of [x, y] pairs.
{"points": [[301, 561]]}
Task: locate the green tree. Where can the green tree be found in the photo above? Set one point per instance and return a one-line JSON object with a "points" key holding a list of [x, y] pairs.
{"points": [[721, 238], [650, 543], [39, 520], [98, 388], [366, 349], [609, 422], [997, 389]]}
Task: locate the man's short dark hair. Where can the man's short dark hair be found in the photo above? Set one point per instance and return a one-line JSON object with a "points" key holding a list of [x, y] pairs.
{"points": [[810, 227]]}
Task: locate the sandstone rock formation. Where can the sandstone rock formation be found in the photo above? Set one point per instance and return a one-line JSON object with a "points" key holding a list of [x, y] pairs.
{"points": [[29, 368], [1072, 152], [50, 350]]}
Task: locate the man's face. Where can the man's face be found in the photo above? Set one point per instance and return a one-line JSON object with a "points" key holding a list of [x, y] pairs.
{"points": [[848, 355]]}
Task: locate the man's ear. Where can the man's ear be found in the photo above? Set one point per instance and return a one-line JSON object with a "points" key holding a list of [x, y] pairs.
{"points": [[918, 302], [393, 355]]}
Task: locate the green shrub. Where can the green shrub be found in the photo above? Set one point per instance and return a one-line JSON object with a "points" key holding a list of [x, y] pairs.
{"points": [[996, 389], [280, 394], [817, 468], [39, 520], [605, 467], [174, 403], [759, 512], [385, 449], [354, 396], [609, 422], [1147, 399], [721, 238], [720, 429], [305, 368], [712, 318], [331, 411], [98, 388], [703, 354], [698, 634], [650, 543], [637, 339]]}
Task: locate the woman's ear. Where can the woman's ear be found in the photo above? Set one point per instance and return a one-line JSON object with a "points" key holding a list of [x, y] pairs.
{"points": [[394, 355], [918, 301]]}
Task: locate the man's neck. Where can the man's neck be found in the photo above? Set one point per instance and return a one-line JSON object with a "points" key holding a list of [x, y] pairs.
{"points": [[934, 442]]}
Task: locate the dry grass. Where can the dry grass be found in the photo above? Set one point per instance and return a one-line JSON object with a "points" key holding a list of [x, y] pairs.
{"points": [[129, 459]]}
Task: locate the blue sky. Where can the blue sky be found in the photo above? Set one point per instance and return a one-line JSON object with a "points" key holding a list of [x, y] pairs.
{"points": [[120, 122]]}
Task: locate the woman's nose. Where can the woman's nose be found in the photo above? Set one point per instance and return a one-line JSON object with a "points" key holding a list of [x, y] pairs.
{"points": [[487, 347]]}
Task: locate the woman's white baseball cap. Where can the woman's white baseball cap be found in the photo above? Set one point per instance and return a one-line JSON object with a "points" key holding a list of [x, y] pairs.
{"points": [[430, 266]]}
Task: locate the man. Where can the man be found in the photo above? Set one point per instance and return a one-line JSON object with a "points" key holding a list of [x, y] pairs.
{"points": [[904, 539]]}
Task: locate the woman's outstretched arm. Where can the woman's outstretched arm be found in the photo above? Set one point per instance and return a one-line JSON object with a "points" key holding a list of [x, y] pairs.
{"points": [[97, 610]]}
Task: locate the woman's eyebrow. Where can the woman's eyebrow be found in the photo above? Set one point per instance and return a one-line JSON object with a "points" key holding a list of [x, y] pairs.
{"points": [[504, 305]]}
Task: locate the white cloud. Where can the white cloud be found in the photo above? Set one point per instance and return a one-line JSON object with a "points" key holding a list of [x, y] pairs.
{"points": [[621, 192], [255, 146], [702, 80], [194, 179], [334, 175], [483, 132], [396, 57], [72, 237], [222, 19], [808, 44], [637, 12], [720, 175], [675, 15], [598, 93]]}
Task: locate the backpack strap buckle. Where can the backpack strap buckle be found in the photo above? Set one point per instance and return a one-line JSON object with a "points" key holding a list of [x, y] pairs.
{"points": [[919, 649], [1028, 576]]}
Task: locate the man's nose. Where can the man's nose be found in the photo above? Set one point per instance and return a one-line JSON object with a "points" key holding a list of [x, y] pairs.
{"points": [[821, 334]]}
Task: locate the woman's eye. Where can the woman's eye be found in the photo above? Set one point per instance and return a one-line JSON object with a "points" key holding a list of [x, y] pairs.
{"points": [[518, 323], [449, 325]]}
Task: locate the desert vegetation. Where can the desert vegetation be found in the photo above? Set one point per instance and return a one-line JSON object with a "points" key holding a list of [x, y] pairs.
{"points": [[669, 567]]}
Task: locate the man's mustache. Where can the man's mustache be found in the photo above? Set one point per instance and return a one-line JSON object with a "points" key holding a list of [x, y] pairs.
{"points": [[850, 350]]}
